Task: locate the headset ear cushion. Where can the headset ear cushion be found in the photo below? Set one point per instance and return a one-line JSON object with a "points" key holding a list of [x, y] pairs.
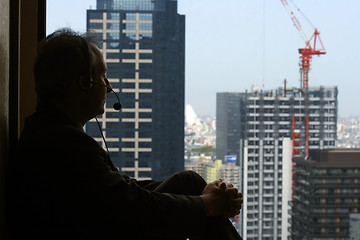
{"points": [[84, 83]]}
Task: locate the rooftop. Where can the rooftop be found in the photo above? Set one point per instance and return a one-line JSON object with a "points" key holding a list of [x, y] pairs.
{"points": [[331, 158]]}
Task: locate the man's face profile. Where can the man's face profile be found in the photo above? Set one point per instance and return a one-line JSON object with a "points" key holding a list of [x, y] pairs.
{"points": [[98, 91]]}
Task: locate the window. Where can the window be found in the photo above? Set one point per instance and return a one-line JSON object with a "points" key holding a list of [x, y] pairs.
{"points": [[245, 47], [130, 16], [145, 26], [145, 16], [130, 26]]}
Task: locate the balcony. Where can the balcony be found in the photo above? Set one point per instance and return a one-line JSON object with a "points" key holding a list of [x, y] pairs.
{"points": [[268, 211]]}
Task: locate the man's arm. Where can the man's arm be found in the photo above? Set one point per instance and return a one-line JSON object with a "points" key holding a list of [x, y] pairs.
{"points": [[129, 200], [117, 197]]}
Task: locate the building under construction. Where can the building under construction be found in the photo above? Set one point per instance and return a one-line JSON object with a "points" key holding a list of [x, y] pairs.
{"points": [[265, 130], [308, 117]]}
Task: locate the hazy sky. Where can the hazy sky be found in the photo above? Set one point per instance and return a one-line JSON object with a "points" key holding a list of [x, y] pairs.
{"points": [[233, 44]]}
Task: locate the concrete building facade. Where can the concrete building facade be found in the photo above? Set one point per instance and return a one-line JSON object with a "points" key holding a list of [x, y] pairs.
{"points": [[326, 195], [266, 129]]}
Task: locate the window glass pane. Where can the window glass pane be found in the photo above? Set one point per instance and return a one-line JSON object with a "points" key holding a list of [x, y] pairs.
{"points": [[145, 16], [96, 15], [145, 35], [114, 16], [112, 45], [130, 16], [130, 26], [145, 26], [113, 36], [115, 26], [95, 25], [131, 36]]}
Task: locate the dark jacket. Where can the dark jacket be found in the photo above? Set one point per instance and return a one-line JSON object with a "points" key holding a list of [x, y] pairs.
{"points": [[64, 182]]}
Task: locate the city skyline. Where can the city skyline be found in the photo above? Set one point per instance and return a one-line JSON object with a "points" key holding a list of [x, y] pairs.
{"points": [[263, 44]]}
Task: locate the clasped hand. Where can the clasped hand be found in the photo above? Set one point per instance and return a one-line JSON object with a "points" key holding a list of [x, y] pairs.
{"points": [[221, 199]]}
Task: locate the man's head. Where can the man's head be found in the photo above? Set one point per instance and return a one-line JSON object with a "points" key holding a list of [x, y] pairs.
{"points": [[66, 65]]}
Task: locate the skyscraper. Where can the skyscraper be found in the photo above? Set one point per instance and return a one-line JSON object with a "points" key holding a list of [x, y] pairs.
{"points": [[267, 129], [143, 44]]}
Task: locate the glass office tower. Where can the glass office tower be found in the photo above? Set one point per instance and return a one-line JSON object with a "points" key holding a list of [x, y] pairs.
{"points": [[143, 44]]}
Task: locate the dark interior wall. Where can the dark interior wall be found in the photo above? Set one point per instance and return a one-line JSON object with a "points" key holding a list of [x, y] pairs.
{"points": [[22, 25], [4, 102], [30, 19]]}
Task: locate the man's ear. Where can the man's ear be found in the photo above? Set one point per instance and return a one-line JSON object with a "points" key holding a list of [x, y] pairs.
{"points": [[84, 82]]}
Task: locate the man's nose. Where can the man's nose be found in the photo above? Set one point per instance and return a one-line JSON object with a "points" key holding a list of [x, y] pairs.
{"points": [[108, 88]]}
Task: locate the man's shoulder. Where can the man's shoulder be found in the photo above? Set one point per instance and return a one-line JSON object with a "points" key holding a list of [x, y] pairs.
{"points": [[46, 132], [56, 144]]}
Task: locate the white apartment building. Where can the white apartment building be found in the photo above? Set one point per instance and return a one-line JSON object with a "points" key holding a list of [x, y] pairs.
{"points": [[265, 130]]}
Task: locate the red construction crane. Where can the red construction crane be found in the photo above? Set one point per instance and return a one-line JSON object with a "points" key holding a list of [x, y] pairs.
{"points": [[306, 55], [310, 47]]}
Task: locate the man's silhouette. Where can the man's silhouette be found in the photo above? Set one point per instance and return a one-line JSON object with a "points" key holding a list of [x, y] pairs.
{"points": [[65, 185]]}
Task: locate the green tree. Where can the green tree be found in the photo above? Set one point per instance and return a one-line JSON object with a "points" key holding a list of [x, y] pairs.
{"points": [[207, 150]]}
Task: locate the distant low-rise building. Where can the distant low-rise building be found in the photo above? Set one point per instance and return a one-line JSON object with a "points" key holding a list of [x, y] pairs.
{"points": [[205, 167], [231, 174], [213, 172], [199, 164], [348, 132]]}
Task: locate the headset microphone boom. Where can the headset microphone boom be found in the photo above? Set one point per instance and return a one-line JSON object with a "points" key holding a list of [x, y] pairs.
{"points": [[116, 106]]}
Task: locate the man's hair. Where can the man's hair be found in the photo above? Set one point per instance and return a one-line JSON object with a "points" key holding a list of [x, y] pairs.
{"points": [[62, 56]]}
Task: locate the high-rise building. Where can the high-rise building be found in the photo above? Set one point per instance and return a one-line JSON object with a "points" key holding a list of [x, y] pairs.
{"points": [[143, 44], [265, 129], [229, 124], [326, 195]]}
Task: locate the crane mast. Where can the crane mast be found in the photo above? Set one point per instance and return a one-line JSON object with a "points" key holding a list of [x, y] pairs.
{"points": [[310, 47], [306, 54]]}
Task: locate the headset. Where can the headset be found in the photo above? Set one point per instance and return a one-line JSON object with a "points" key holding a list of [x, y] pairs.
{"points": [[86, 82]]}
